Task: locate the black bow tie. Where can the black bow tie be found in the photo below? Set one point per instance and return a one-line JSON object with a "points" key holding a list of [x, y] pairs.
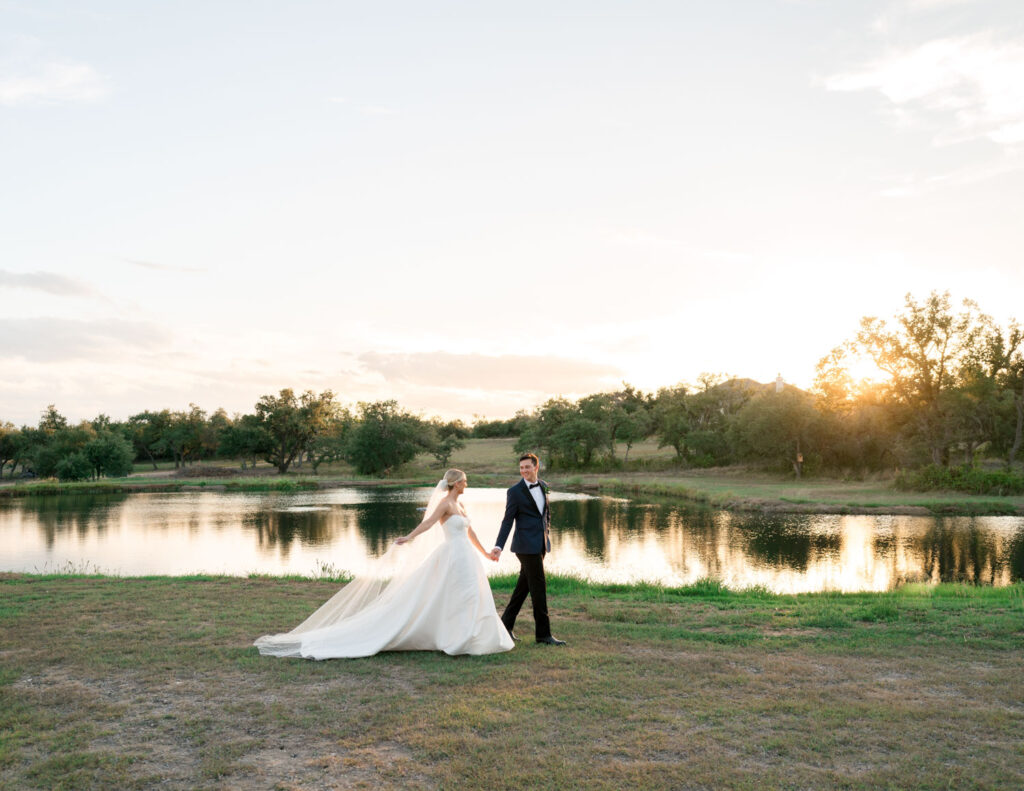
{"points": [[534, 485]]}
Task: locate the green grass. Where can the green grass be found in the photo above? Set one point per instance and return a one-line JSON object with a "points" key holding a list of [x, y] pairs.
{"points": [[139, 682], [748, 490]]}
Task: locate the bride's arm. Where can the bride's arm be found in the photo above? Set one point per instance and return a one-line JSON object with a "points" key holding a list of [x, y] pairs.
{"points": [[476, 542], [426, 524]]}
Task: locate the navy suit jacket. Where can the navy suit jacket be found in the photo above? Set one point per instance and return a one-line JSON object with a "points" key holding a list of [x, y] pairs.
{"points": [[533, 527]]}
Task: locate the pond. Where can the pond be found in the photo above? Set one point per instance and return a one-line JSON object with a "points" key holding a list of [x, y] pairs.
{"points": [[599, 538]]}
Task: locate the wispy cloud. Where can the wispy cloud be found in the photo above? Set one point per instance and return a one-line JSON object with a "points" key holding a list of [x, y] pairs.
{"points": [[161, 267], [46, 281], [517, 373], [45, 339], [52, 82], [967, 87]]}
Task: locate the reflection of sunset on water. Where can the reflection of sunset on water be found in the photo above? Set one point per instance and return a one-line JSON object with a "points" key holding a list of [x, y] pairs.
{"points": [[602, 539]]}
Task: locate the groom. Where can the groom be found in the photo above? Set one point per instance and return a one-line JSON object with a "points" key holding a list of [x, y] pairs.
{"points": [[526, 504]]}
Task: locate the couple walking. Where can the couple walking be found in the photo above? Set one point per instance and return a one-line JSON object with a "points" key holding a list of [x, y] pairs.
{"points": [[429, 592]]}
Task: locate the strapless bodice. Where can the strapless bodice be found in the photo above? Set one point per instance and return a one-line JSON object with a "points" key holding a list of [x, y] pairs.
{"points": [[455, 526]]}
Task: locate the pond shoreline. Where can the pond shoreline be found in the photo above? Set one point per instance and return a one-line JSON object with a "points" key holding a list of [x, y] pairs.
{"points": [[689, 489]]}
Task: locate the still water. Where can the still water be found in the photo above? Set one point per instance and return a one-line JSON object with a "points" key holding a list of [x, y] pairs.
{"points": [[600, 538]]}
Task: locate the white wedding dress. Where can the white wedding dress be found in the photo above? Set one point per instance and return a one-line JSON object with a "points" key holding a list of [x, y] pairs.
{"points": [[443, 603]]}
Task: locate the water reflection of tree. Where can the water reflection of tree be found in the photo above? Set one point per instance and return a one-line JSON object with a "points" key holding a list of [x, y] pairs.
{"points": [[1015, 556], [281, 528], [602, 523], [786, 542], [378, 523], [57, 515], [960, 553], [607, 531]]}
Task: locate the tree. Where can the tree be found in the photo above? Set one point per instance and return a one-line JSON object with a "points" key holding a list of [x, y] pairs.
{"points": [[632, 428], [923, 353], [10, 439], [445, 446], [291, 423], [52, 421], [695, 421], [74, 467], [148, 433], [110, 455], [384, 437], [185, 434], [562, 433], [244, 438], [672, 418], [777, 426], [447, 438], [329, 445], [993, 384], [629, 418], [54, 440]]}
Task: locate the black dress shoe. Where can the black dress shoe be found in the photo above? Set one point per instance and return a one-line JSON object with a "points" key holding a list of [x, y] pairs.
{"points": [[549, 640], [513, 636]]}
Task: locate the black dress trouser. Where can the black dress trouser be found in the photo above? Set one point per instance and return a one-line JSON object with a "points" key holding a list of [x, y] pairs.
{"points": [[531, 580]]}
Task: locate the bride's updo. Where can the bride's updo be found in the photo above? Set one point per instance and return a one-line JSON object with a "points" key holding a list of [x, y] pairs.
{"points": [[453, 476]]}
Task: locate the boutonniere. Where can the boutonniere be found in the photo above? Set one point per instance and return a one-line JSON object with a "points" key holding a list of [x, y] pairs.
{"points": [[545, 488]]}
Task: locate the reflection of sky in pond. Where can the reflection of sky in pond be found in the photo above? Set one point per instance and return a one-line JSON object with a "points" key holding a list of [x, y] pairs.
{"points": [[604, 539]]}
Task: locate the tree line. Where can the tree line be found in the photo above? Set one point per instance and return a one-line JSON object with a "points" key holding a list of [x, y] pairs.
{"points": [[951, 391], [283, 430]]}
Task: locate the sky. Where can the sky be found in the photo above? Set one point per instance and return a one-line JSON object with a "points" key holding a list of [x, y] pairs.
{"points": [[473, 207]]}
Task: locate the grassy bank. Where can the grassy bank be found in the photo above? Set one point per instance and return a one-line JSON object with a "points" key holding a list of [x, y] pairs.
{"points": [[752, 491], [130, 683], [492, 462]]}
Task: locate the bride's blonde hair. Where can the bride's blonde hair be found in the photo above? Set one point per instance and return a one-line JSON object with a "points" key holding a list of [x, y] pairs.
{"points": [[453, 476]]}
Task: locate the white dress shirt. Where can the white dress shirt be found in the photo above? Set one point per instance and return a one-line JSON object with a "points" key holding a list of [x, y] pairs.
{"points": [[538, 494]]}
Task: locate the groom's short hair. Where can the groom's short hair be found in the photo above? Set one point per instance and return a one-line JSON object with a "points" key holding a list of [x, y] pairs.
{"points": [[530, 457]]}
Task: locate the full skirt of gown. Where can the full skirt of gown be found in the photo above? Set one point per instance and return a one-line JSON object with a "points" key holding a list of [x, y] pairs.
{"points": [[444, 604]]}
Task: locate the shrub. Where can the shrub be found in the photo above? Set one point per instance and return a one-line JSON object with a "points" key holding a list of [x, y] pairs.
{"points": [[75, 467], [961, 479]]}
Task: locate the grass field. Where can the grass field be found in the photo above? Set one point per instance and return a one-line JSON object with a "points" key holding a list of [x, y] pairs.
{"points": [[493, 462], [122, 683]]}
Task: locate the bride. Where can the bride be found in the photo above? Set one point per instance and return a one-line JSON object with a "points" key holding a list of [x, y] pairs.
{"points": [[428, 592]]}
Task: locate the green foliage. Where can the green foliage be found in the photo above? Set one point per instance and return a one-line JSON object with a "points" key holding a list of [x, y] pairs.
{"points": [[329, 444], [292, 423], [445, 447], [961, 479], [10, 443], [582, 433], [384, 437], [74, 467], [491, 429], [777, 426], [244, 438], [148, 433], [110, 455]]}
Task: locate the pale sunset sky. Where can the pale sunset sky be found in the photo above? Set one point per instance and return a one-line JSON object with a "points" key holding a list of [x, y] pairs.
{"points": [[471, 207]]}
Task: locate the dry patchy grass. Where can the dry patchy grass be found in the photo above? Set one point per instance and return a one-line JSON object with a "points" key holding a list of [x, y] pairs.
{"points": [[134, 683]]}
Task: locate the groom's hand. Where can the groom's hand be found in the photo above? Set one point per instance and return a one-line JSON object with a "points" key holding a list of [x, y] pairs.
{"points": [[495, 554]]}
